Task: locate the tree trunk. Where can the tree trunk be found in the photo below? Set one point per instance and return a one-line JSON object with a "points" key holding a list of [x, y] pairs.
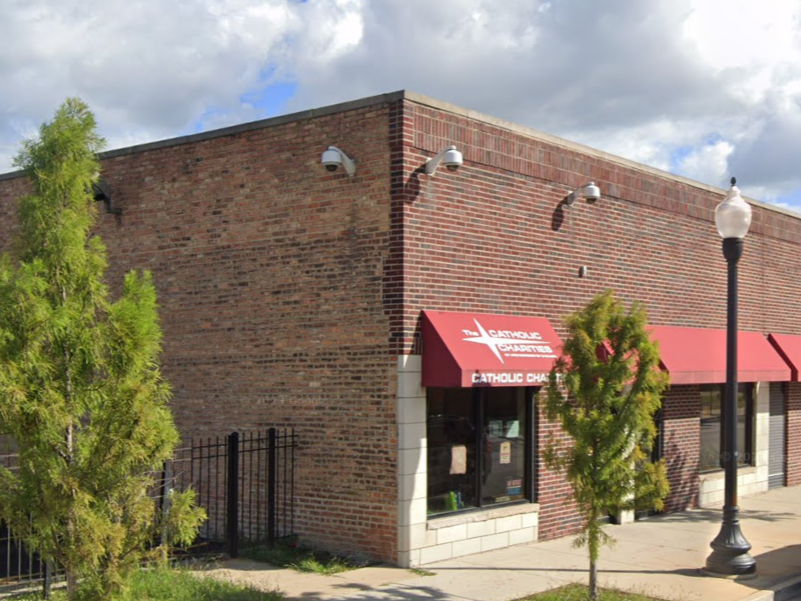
{"points": [[72, 583], [593, 544], [593, 580]]}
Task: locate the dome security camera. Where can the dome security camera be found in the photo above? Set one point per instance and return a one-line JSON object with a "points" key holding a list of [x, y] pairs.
{"points": [[592, 192], [450, 157], [333, 158], [589, 192]]}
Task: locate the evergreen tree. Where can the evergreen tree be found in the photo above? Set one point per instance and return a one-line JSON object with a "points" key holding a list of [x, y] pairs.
{"points": [[610, 370], [81, 393]]}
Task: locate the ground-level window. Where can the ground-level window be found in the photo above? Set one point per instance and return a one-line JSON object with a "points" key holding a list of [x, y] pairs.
{"points": [[711, 425], [479, 447]]}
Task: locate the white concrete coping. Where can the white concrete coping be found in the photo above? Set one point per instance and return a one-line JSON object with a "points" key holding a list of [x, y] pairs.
{"points": [[720, 474], [482, 515]]}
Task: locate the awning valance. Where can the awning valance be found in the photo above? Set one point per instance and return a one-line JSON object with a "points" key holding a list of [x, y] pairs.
{"points": [[475, 349], [789, 347], [698, 356]]}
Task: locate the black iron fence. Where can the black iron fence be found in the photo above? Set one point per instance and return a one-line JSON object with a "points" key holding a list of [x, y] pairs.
{"points": [[244, 481], [20, 567]]}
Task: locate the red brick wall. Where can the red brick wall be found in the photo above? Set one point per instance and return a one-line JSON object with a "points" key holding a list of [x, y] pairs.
{"points": [[270, 278], [9, 191], [793, 441], [495, 237], [558, 514], [681, 448]]}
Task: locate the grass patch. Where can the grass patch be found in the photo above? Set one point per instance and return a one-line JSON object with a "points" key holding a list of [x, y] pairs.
{"points": [[325, 565], [580, 592], [165, 584], [303, 559], [421, 572]]}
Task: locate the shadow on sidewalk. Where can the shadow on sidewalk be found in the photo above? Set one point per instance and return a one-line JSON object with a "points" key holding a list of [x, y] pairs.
{"points": [[779, 564], [353, 592], [713, 516], [773, 567], [549, 570]]}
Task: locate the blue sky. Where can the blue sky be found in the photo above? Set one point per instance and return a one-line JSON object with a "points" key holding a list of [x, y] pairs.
{"points": [[703, 88]]}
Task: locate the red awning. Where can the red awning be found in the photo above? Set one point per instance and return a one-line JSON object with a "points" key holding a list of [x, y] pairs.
{"points": [[789, 347], [471, 349], [698, 356]]}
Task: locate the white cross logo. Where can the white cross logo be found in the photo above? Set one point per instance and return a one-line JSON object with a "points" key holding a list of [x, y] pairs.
{"points": [[490, 341]]}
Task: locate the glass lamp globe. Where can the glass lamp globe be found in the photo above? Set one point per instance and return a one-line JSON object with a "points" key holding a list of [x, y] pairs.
{"points": [[733, 215]]}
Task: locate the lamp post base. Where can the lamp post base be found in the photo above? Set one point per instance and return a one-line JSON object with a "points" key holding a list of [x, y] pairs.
{"points": [[729, 555]]}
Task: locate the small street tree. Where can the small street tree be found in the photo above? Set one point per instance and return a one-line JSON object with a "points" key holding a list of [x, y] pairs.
{"points": [[81, 393], [609, 370]]}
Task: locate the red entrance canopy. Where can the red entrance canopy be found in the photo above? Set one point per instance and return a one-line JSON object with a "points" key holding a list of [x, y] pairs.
{"points": [[463, 350], [789, 347], [698, 356]]}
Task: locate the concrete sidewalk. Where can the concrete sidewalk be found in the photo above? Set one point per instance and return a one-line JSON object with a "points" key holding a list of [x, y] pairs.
{"points": [[660, 556]]}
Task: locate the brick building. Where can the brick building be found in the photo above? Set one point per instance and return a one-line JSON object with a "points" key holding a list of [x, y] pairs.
{"points": [[389, 315]]}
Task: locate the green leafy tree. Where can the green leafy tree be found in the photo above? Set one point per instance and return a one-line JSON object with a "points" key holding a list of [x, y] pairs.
{"points": [[81, 393], [609, 369]]}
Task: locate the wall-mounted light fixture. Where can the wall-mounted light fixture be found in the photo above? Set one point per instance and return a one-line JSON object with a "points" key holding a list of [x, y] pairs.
{"points": [[589, 191], [450, 157], [334, 158]]}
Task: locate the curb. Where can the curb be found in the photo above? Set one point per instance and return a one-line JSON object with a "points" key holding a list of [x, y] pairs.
{"points": [[787, 588], [782, 591]]}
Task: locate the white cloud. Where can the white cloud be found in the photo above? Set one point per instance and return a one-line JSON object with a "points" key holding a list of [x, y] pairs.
{"points": [[746, 35], [651, 81], [708, 163], [149, 69]]}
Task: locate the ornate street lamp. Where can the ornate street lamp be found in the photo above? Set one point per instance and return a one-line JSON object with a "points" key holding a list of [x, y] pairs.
{"points": [[729, 555]]}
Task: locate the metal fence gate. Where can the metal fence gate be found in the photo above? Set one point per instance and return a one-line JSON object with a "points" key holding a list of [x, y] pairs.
{"points": [[246, 483]]}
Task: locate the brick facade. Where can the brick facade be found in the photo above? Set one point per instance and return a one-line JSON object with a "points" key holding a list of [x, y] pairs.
{"points": [[558, 515], [270, 279], [501, 241], [288, 293], [496, 238], [681, 444]]}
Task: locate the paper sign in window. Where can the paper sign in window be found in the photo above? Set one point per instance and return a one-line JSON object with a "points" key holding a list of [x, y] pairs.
{"points": [[512, 428], [506, 452], [458, 459]]}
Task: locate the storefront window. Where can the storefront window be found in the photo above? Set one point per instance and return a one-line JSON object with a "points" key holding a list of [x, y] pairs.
{"points": [[451, 450], [477, 452], [711, 430]]}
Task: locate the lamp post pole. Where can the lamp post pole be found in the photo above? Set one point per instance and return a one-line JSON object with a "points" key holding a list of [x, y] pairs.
{"points": [[729, 555]]}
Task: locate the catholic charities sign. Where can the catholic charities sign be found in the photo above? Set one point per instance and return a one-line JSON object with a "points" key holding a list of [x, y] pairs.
{"points": [[464, 349]]}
